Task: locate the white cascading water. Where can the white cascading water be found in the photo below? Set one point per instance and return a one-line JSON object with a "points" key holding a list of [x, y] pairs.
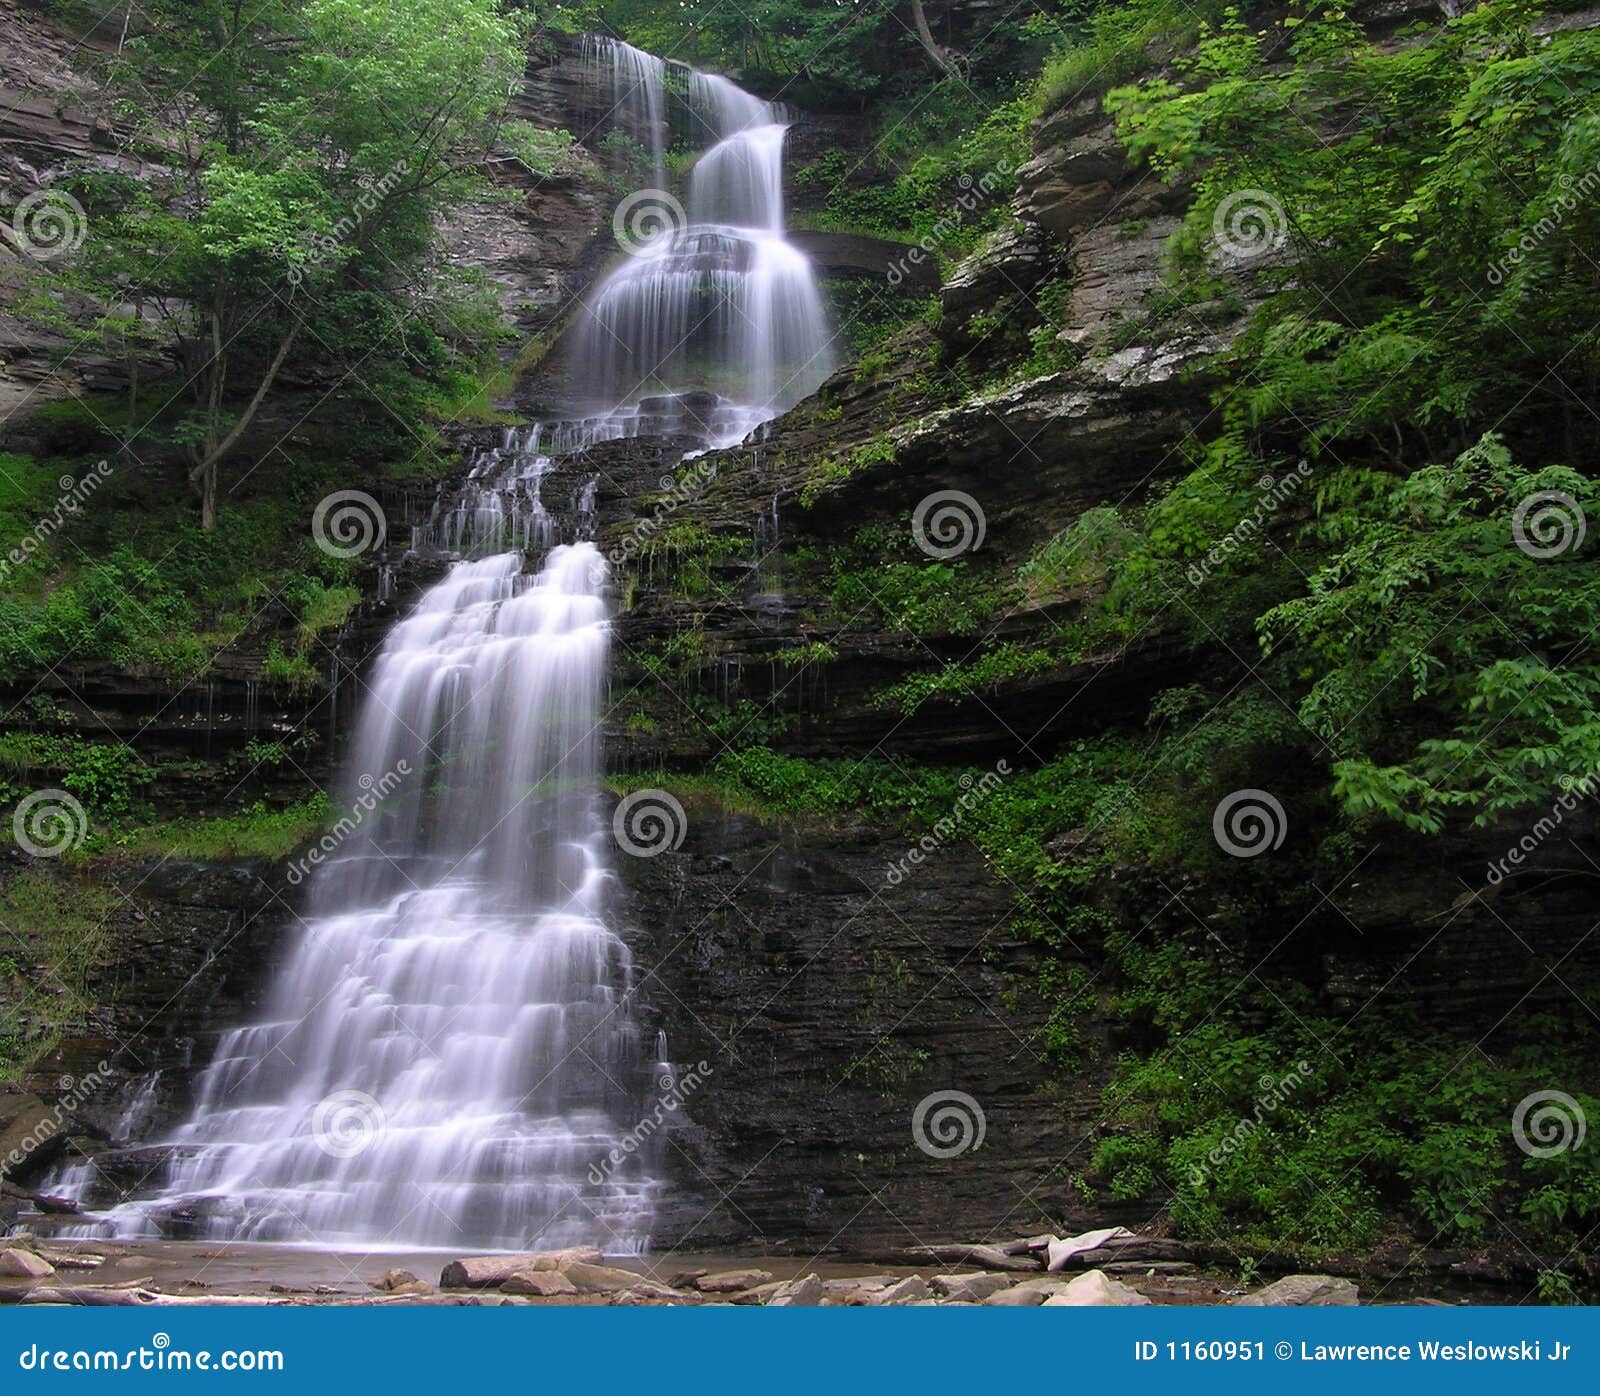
{"points": [[637, 93], [724, 306], [449, 1052], [449, 1055]]}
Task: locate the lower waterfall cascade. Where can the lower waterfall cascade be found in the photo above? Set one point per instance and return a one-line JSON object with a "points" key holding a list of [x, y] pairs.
{"points": [[450, 1048]]}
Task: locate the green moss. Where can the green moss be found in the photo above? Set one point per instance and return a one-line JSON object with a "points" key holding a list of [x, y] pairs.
{"points": [[1002, 664], [880, 575], [130, 578], [257, 832], [287, 669], [107, 777], [54, 936], [681, 557]]}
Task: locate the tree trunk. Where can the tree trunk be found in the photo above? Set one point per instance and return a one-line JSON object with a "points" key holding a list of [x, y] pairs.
{"points": [[941, 57], [204, 474]]}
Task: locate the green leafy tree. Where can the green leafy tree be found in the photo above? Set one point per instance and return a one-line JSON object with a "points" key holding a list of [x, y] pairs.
{"points": [[306, 152]]}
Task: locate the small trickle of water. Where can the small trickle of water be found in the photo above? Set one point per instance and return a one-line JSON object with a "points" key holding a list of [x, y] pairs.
{"points": [[635, 98]]}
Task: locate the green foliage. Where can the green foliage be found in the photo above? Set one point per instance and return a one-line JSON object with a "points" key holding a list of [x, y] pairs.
{"points": [[1267, 1140], [53, 925], [1450, 706], [683, 556], [107, 777], [1004, 663], [259, 831], [133, 579], [1106, 44], [875, 576], [1382, 366], [301, 157]]}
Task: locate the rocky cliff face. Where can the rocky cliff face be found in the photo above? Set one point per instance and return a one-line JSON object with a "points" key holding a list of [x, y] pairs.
{"points": [[829, 1001]]}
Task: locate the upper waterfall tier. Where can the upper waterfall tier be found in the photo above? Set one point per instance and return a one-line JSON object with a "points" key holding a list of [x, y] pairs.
{"points": [[719, 303]]}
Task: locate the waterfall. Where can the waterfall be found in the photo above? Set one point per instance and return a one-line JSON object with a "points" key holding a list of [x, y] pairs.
{"points": [[449, 1051], [719, 314], [449, 1054], [637, 95]]}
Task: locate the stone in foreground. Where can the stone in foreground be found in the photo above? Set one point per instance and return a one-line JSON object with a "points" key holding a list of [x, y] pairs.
{"points": [[492, 1271], [906, 1291], [1308, 1290], [972, 1289], [16, 1263], [598, 1279], [1095, 1290], [804, 1293], [544, 1284], [731, 1281]]}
